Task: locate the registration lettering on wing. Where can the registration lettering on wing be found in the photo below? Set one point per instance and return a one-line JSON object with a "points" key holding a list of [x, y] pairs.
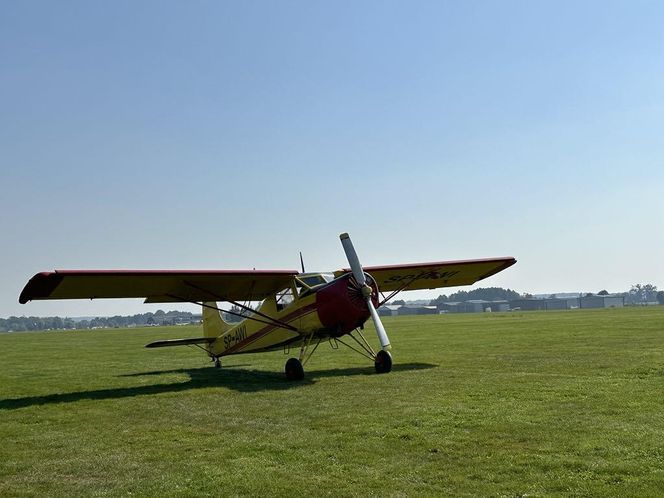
{"points": [[425, 275]]}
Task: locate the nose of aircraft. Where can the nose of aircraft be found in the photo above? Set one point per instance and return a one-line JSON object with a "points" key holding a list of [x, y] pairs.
{"points": [[342, 307]]}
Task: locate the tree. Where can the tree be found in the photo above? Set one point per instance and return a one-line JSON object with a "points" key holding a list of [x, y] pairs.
{"points": [[603, 292], [641, 293], [442, 298], [236, 314], [399, 301], [660, 297]]}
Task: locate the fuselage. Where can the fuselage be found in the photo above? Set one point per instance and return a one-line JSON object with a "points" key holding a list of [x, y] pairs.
{"points": [[315, 304]]}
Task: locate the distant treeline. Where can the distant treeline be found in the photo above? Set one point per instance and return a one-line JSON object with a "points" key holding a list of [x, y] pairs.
{"points": [[638, 294], [486, 294], [24, 323]]}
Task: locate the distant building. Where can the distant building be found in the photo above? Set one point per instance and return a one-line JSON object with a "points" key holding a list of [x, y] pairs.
{"points": [[389, 310], [602, 302], [550, 304], [409, 309], [473, 306], [561, 303], [568, 303], [451, 307], [498, 306], [524, 304], [530, 304]]}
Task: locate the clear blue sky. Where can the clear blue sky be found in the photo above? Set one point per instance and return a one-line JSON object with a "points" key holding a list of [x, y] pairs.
{"points": [[235, 134]]}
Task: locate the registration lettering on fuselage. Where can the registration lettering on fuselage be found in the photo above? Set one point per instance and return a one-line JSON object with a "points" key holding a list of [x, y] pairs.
{"points": [[236, 336]]}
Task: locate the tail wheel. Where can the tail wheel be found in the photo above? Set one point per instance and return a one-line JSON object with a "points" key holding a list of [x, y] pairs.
{"points": [[294, 369], [383, 362]]}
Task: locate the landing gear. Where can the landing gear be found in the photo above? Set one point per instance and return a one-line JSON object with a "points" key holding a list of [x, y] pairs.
{"points": [[217, 363], [294, 366], [383, 362], [294, 369], [382, 359]]}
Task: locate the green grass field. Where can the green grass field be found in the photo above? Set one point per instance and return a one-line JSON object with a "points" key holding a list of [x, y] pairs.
{"points": [[502, 404]]}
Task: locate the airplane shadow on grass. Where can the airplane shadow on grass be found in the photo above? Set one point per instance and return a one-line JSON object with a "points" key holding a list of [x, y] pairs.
{"points": [[237, 379]]}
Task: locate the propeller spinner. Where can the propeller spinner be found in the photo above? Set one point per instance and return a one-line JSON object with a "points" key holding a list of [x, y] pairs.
{"points": [[358, 273]]}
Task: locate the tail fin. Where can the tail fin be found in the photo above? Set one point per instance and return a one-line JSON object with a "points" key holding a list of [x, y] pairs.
{"points": [[213, 324]]}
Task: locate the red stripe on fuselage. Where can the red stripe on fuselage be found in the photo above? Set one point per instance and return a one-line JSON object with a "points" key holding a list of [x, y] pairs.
{"points": [[305, 310]]}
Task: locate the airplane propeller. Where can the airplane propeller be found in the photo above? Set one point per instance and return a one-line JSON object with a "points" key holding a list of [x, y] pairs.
{"points": [[358, 273]]}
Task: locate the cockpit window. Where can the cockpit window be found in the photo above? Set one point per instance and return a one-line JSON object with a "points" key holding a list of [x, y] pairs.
{"points": [[313, 280], [306, 283], [284, 298]]}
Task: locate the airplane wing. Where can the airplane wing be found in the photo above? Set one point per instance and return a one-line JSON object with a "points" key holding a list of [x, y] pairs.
{"points": [[434, 275], [157, 286]]}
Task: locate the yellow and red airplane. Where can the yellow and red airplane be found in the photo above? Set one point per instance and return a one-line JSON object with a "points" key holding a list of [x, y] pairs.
{"points": [[298, 309]]}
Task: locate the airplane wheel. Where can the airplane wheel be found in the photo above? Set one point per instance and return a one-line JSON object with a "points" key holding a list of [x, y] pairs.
{"points": [[217, 363], [383, 362], [294, 369]]}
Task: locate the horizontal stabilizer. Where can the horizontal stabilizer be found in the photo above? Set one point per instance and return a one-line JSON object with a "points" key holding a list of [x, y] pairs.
{"points": [[180, 342]]}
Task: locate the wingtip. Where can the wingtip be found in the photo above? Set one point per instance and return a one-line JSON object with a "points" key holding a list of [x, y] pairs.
{"points": [[40, 286]]}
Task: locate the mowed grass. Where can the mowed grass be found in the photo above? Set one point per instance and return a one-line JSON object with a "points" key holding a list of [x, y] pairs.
{"points": [[539, 404]]}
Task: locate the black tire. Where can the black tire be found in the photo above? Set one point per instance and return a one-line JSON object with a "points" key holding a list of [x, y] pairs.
{"points": [[383, 362], [294, 369]]}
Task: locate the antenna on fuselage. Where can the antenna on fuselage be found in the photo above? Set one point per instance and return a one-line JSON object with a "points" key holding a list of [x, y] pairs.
{"points": [[302, 262]]}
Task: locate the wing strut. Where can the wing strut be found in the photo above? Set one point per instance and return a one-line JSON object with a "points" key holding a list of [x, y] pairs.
{"points": [[216, 297], [272, 321], [393, 293]]}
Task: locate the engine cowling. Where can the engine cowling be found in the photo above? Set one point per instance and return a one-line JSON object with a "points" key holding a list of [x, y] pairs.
{"points": [[341, 305]]}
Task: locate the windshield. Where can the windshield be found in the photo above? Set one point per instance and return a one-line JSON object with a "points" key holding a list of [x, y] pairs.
{"points": [[308, 281]]}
